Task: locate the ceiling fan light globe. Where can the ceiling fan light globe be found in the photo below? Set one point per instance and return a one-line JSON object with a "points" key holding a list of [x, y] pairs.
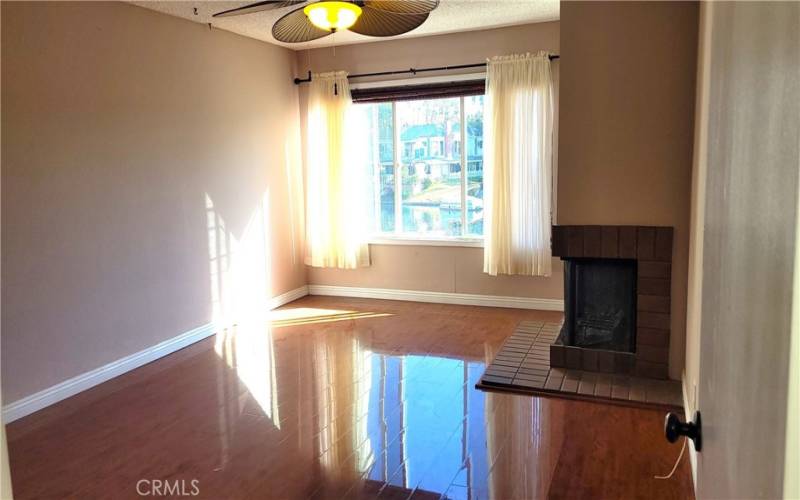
{"points": [[332, 15]]}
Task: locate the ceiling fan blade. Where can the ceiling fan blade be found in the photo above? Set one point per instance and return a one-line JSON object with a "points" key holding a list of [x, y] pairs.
{"points": [[295, 27], [403, 6], [258, 7], [375, 22]]}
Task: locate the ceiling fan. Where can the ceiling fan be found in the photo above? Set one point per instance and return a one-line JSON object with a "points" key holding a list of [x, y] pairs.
{"points": [[315, 19]]}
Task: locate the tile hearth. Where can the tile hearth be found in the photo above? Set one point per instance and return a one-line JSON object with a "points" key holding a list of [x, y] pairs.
{"points": [[523, 365]]}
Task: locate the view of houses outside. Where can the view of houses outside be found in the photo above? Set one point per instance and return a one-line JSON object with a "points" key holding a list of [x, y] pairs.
{"points": [[473, 109], [429, 154]]}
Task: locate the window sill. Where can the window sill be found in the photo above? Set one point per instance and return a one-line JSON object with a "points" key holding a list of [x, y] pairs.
{"points": [[428, 242]]}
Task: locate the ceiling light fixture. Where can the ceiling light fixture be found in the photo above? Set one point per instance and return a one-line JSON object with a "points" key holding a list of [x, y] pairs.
{"points": [[331, 15]]}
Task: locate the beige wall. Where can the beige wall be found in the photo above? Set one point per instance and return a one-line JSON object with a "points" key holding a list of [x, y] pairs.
{"points": [[749, 152], [440, 269], [144, 175], [627, 112]]}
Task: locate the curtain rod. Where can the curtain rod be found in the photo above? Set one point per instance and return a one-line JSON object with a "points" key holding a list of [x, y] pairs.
{"points": [[298, 81]]}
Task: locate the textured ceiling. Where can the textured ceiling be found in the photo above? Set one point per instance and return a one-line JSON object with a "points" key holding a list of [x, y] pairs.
{"points": [[451, 16]]}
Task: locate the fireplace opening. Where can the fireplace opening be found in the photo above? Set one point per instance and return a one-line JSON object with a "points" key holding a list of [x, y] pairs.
{"points": [[600, 304]]}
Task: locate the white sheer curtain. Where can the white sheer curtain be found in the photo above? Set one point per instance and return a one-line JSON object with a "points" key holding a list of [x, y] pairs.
{"points": [[518, 129], [336, 233]]}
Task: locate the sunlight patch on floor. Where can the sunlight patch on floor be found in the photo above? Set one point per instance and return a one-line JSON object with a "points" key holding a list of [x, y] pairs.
{"points": [[310, 315]]}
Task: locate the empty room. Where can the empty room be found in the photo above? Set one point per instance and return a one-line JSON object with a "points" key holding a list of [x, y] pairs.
{"points": [[396, 249]]}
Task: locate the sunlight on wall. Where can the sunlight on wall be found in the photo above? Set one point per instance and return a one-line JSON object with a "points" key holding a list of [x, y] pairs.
{"points": [[239, 268]]}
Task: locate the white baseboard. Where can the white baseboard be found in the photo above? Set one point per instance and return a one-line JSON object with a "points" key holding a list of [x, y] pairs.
{"points": [[80, 383], [63, 390], [289, 296], [439, 297]]}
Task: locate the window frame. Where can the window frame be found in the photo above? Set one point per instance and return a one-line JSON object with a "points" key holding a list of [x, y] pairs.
{"points": [[398, 236]]}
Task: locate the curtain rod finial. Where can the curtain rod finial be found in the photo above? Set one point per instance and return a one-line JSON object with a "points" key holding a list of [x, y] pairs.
{"points": [[298, 81]]}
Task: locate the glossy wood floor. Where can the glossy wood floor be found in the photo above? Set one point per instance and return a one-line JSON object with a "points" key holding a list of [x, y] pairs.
{"points": [[341, 398]]}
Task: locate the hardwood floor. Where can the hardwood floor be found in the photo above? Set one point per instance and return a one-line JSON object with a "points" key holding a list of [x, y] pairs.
{"points": [[341, 398]]}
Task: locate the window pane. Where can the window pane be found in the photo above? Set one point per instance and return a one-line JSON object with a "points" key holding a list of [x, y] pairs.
{"points": [[473, 109], [429, 141], [375, 126]]}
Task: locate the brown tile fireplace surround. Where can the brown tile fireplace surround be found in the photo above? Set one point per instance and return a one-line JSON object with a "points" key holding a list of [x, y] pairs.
{"points": [[650, 249]]}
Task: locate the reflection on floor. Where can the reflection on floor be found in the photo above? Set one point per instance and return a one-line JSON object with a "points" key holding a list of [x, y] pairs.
{"points": [[342, 398]]}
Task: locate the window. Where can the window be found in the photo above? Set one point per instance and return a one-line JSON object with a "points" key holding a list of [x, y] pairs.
{"points": [[415, 151]]}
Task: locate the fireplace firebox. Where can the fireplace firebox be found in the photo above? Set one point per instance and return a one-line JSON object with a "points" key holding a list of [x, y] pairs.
{"points": [[617, 283], [600, 303]]}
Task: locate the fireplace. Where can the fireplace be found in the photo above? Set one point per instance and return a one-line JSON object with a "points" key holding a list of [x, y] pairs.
{"points": [[616, 299], [600, 303]]}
